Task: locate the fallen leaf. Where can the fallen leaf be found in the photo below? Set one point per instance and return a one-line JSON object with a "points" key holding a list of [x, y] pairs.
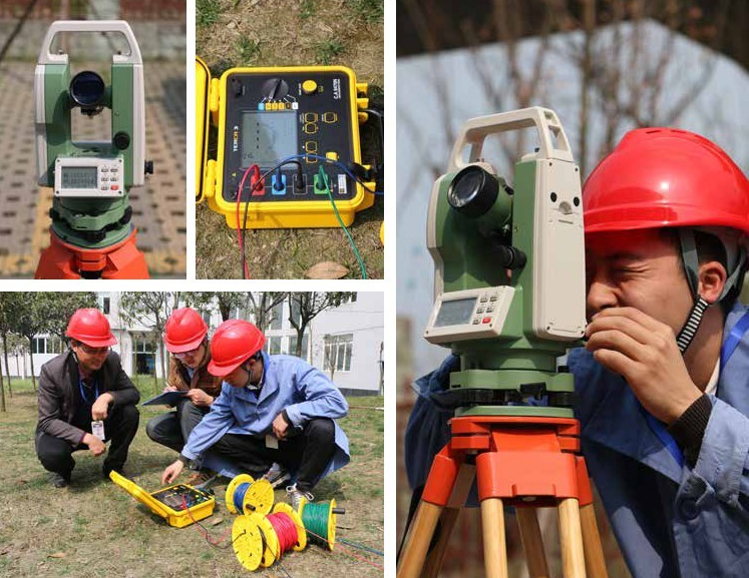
{"points": [[57, 555], [4, 551], [326, 270], [217, 521]]}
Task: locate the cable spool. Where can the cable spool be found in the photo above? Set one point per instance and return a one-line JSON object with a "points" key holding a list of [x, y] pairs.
{"points": [[269, 539], [245, 495], [301, 533], [248, 542], [320, 521]]}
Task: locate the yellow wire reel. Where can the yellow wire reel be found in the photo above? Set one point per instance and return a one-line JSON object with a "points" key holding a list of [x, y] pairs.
{"points": [[312, 522], [245, 495], [255, 540]]}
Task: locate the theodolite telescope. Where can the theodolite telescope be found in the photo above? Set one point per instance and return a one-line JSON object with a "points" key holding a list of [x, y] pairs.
{"points": [[91, 234], [509, 269]]}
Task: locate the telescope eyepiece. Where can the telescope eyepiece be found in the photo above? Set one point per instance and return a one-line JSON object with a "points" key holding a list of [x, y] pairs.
{"points": [[87, 91], [473, 191]]}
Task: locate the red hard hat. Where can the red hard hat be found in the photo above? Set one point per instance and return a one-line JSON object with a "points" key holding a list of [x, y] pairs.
{"points": [[663, 177], [235, 341], [184, 330], [89, 326]]}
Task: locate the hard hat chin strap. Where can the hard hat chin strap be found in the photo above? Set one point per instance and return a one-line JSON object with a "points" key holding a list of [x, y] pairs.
{"points": [[691, 268]]}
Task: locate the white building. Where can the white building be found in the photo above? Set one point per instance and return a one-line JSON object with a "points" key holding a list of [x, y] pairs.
{"points": [[345, 342]]}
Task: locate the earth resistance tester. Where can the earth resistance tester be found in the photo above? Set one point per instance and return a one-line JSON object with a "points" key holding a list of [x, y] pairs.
{"points": [[180, 505], [300, 127]]}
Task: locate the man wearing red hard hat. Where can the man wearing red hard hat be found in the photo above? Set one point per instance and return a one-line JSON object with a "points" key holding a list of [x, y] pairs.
{"points": [[85, 399], [186, 338], [272, 410], [662, 382]]}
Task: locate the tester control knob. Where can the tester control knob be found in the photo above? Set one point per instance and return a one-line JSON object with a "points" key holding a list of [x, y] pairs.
{"points": [[309, 87], [275, 88]]}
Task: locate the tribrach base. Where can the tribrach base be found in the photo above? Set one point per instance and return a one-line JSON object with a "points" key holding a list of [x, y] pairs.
{"points": [[64, 261]]}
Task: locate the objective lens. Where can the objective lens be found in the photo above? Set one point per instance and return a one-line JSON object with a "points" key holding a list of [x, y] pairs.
{"points": [[87, 89], [473, 191]]}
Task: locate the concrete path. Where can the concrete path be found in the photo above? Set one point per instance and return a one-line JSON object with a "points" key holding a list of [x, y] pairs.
{"points": [[158, 207]]}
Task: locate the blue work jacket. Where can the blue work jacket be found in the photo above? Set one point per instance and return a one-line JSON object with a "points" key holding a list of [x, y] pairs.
{"points": [[288, 383], [671, 520]]}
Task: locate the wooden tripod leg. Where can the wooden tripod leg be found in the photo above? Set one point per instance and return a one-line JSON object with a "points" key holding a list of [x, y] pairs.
{"points": [[533, 545], [458, 497], [595, 563], [570, 533], [434, 559], [493, 529], [419, 538]]}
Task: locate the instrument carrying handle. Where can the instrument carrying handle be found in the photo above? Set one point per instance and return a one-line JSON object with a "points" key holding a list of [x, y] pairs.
{"points": [[553, 141], [47, 57]]}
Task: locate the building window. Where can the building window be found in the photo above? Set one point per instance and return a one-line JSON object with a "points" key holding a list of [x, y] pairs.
{"points": [[273, 345], [105, 305], [145, 360], [338, 351], [38, 345], [305, 346], [46, 345]]}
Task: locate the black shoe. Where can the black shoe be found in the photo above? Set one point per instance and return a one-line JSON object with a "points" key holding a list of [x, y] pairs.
{"points": [[58, 480]]}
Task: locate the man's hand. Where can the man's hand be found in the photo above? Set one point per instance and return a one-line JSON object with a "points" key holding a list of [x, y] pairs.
{"points": [[644, 352], [280, 426], [200, 398], [101, 406], [168, 387], [95, 445], [172, 472]]}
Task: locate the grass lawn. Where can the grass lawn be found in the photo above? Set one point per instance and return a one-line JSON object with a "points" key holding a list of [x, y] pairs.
{"points": [[93, 528]]}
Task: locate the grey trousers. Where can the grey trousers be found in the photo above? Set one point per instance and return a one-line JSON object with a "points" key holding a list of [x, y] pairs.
{"points": [[173, 428]]}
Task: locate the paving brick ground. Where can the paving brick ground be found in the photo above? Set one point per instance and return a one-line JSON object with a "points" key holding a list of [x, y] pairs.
{"points": [[158, 207]]}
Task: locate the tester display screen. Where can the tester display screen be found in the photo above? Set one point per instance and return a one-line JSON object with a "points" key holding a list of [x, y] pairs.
{"points": [[78, 178], [268, 138], [455, 312]]}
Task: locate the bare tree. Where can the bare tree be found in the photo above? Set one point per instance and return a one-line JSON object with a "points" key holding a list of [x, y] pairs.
{"points": [[151, 310], [261, 306], [305, 306], [622, 73]]}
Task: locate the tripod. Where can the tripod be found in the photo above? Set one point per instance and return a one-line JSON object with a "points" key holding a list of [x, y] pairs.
{"points": [[524, 461]]}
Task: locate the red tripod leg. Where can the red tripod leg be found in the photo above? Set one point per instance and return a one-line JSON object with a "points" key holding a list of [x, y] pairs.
{"points": [[437, 492]]}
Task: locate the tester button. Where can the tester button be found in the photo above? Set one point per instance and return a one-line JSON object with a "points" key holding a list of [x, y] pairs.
{"points": [[309, 87]]}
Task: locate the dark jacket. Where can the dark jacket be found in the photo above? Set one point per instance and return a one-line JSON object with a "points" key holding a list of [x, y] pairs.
{"points": [[58, 382], [201, 379]]}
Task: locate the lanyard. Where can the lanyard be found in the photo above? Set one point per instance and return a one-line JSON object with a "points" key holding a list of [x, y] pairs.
{"points": [[733, 339], [83, 395], [729, 346]]}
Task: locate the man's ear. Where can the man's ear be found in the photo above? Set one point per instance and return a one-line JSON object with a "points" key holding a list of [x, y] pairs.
{"points": [[712, 279]]}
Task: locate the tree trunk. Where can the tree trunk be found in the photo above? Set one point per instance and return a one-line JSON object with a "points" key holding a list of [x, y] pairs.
{"points": [[5, 352], [299, 339], [31, 360], [163, 366], [7, 370]]}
